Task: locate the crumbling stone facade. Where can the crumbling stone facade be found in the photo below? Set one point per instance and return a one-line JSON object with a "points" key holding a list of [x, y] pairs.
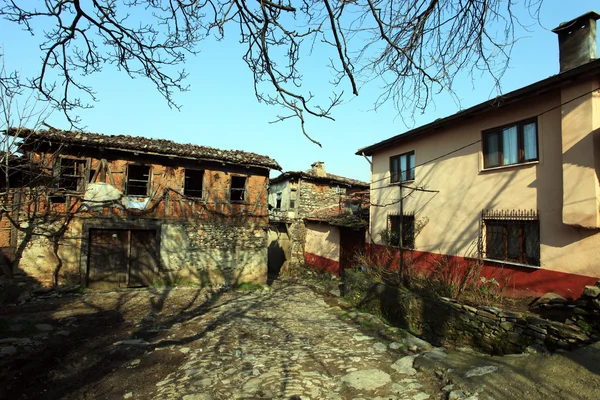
{"points": [[296, 195], [154, 222]]}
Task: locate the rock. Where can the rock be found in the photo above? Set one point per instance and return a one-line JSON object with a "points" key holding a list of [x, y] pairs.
{"points": [[448, 388], [480, 371], [42, 290], [413, 341], [44, 327], [429, 361], [128, 395], [132, 342], [456, 395], [395, 345], [368, 379], [68, 289], [8, 351], [421, 396], [406, 387], [548, 298], [536, 349], [63, 333], [592, 291], [437, 353], [405, 365], [198, 396], [251, 386], [380, 347], [24, 297], [17, 327], [184, 350], [16, 341]]}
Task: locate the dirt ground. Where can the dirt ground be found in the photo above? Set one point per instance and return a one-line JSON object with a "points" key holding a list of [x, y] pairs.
{"points": [[69, 346]]}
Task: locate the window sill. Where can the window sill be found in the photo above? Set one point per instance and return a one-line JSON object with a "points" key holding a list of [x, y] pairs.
{"points": [[525, 164], [511, 263], [401, 183]]}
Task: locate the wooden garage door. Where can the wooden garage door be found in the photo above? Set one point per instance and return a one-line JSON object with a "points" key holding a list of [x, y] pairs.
{"points": [[108, 258], [143, 265], [122, 258]]}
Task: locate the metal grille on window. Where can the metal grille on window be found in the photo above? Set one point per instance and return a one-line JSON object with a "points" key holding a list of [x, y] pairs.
{"points": [[511, 235]]}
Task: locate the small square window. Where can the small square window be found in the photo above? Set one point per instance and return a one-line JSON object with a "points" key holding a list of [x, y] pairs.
{"points": [[401, 226], [292, 199], [193, 185], [238, 189], [402, 167], [71, 174], [138, 180]]}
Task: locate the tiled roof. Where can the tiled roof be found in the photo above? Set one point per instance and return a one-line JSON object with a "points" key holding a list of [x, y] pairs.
{"points": [[325, 214], [147, 145], [328, 178]]}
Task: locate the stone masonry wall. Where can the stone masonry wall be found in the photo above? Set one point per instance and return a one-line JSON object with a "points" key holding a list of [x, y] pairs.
{"points": [[210, 252], [310, 197], [314, 196], [444, 321], [214, 253]]}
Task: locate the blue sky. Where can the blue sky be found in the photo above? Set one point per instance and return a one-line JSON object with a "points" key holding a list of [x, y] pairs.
{"points": [[220, 109]]}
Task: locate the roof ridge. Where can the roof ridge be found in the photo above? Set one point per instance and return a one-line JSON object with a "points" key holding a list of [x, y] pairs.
{"points": [[160, 146]]}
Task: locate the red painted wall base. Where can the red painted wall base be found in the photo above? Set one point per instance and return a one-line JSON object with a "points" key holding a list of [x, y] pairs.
{"points": [[520, 281], [322, 264]]}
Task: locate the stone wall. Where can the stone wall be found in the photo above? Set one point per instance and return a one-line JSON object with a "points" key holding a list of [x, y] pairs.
{"points": [[314, 196], [444, 321], [209, 252], [214, 253], [297, 234], [310, 197]]}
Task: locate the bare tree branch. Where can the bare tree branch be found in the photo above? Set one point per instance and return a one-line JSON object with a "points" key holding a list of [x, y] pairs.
{"points": [[417, 48]]}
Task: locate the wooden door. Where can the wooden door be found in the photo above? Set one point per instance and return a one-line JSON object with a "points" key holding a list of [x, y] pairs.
{"points": [[107, 259], [352, 242], [143, 263]]}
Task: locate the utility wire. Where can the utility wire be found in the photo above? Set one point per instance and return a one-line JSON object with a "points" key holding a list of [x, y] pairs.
{"points": [[478, 141]]}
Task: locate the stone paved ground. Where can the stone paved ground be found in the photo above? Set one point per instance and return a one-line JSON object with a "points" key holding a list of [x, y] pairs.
{"points": [[288, 343]]}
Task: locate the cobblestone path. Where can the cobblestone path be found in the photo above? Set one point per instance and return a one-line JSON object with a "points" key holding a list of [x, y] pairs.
{"points": [[287, 343]]}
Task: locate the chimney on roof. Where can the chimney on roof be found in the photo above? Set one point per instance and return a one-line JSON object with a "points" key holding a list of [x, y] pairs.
{"points": [[318, 169], [577, 41]]}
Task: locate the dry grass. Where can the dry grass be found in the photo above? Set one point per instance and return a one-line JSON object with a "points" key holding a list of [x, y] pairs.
{"points": [[445, 276]]}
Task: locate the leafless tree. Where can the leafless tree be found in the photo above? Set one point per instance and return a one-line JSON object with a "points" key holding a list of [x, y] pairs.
{"points": [[417, 47]]}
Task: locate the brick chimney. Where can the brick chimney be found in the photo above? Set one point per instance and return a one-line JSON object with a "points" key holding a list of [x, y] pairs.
{"points": [[577, 41], [318, 169]]}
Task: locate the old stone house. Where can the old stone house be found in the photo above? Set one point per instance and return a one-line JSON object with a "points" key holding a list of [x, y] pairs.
{"points": [[513, 181], [122, 211], [296, 203]]}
